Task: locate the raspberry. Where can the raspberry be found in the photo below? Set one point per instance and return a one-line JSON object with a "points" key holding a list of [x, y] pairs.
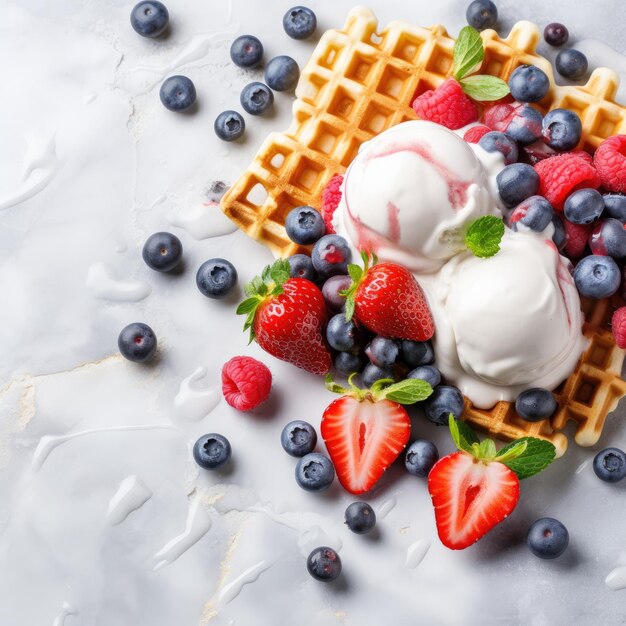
{"points": [[619, 326], [473, 134], [331, 196], [610, 161], [498, 116], [576, 236], [246, 382], [563, 173], [447, 105]]}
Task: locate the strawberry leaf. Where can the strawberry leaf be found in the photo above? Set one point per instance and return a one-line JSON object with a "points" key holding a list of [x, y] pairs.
{"points": [[408, 391], [279, 272], [355, 272], [484, 236], [512, 451], [468, 52], [247, 305], [487, 449], [462, 435], [334, 387], [484, 88], [537, 455]]}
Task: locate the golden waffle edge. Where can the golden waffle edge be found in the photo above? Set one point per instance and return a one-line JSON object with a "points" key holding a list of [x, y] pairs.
{"points": [[358, 83]]}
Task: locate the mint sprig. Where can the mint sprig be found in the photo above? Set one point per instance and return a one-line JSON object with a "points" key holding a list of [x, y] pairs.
{"points": [[484, 235], [484, 88]]}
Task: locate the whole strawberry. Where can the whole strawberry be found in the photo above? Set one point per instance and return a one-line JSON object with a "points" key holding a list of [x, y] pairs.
{"points": [[287, 317], [387, 300]]}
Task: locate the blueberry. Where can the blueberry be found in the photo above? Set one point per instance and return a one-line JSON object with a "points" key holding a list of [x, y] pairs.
{"points": [[372, 373], [559, 237], [571, 64], [331, 255], [609, 238], [525, 125], [482, 14], [420, 457], [314, 472], [149, 18], [517, 182], [162, 251], [324, 564], [282, 73], [256, 98], [298, 438], [562, 129], [229, 125], [597, 276], [212, 451], [341, 334], [299, 22], [444, 400], [547, 538], [495, 141], [555, 34], [304, 225], [416, 353], [216, 278], [360, 518], [583, 206], [429, 373], [246, 51], [301, 266], [331, 289], [382, 351], [615, 206], [535, 405], [610, 465], [536, 213], [528, 83], [137, 342], [177, 93], [347, 363]]}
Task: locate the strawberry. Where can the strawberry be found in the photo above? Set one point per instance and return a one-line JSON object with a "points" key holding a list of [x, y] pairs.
{"points": [[287, 317], [366, 429], [388, 301]]}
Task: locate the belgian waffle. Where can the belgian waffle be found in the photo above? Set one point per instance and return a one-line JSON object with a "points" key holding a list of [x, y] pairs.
{"points": [[358, 83]]}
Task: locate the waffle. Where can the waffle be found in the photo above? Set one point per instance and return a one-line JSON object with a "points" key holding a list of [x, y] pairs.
{"points": [[357, 84]]}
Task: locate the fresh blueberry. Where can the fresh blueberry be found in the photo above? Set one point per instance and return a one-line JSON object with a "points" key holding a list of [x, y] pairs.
{"points": [[547, 538], [304, 225], [331, 289], [536, 404], [331, 255], [149, 18], [560, 236], [562, 129], [525, 125], [609, 238], [162, 251], [314, 472], [382, 351], [535, 213], [571, 64], [495, 141], [212, 451], [229, 125], [360, 518], [137, 342], [282, 73], [416, 353], [615, 206], [256, 98], [528, 83], [597, 276], [324, 564], [299, 22], [610, 465], [444, 400], [555, 34], [583, 206], [216, 278], [246, 51], [341, 334], [420, 457], [517, 182], [301, 266], [298, 438], [372, 373], [482, 14], [177, 93], [347, 363], [429, 373]]}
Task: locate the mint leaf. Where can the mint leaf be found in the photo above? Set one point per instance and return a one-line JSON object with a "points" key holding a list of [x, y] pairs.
{"points": [[468, 52], [408, 391], [538, 455], [484, 235], [484, 88]]}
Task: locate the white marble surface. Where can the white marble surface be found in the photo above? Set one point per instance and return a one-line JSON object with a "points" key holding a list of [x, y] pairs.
{"points": [[104, 519]]}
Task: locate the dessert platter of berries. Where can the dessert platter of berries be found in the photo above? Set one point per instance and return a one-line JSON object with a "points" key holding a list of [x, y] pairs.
{"points": [[313, 314]]}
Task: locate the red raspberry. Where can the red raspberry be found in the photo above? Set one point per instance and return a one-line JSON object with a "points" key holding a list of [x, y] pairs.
{"points": [[576, 236], [610, 161], [447, 105], [498, 116], [331, 196], [246, 382], [473, 134], [562, 174], [619, 326]]}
